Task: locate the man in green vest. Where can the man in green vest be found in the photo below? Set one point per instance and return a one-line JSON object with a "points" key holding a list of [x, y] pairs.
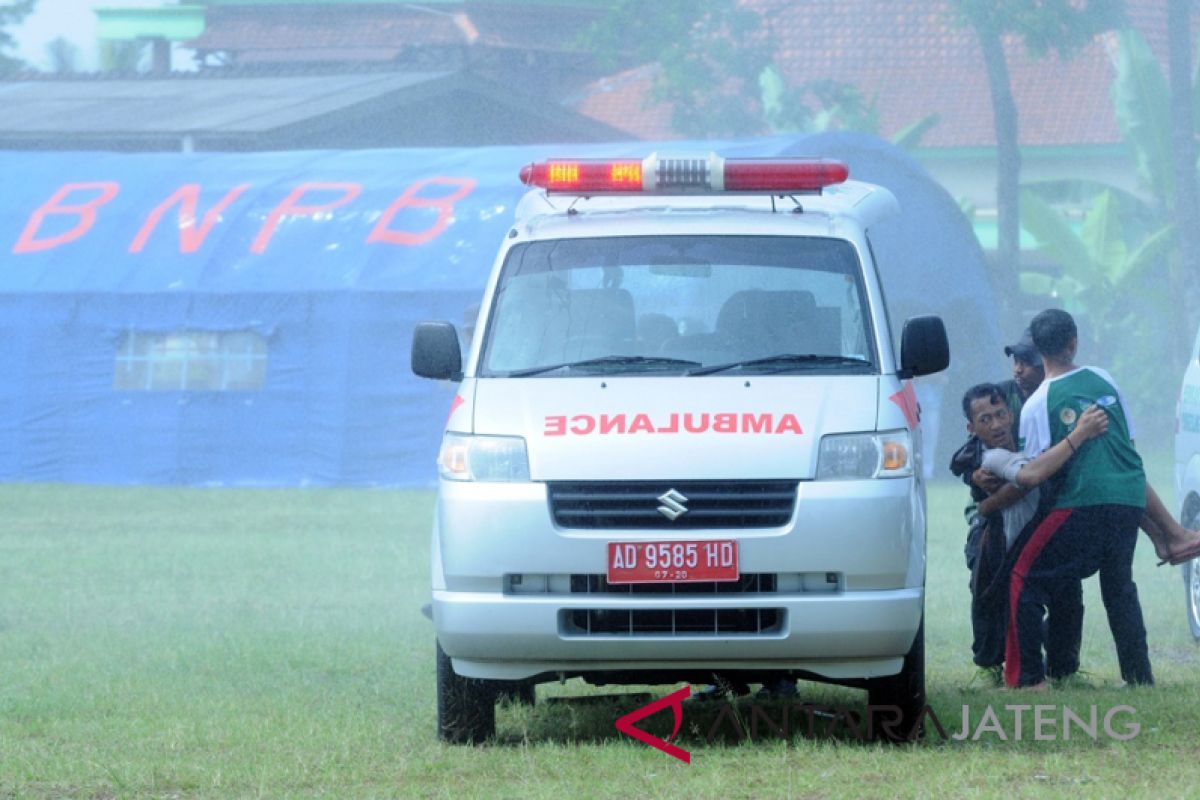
{"points": [[1100, 500]]}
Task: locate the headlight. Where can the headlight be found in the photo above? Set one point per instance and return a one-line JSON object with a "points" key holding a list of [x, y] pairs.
{"points": [[483, 458], [865, 455]]}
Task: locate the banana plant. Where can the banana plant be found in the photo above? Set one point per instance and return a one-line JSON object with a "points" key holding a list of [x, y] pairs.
{"points": [[1100, 271], [1116, 271], [1099, 264], [1142, 102]]}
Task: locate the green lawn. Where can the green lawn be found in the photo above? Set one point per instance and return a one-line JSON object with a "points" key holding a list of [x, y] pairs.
{"points": [[269, 643]]}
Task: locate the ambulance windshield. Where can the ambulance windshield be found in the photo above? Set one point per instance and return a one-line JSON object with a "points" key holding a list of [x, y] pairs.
{"points": [[680, 304]]}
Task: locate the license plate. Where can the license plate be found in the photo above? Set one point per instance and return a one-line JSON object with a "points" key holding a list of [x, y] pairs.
{"points": [[672, 562]]}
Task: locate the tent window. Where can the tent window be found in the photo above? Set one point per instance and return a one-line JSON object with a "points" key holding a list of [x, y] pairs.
{"points": [[191, 361]]}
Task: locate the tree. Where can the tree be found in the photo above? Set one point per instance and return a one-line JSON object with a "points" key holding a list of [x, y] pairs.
{"points": [[11, 13], [1061, 26], [64, 56], [814, 105], [1121, 273], [710, 55], [1148, 106], [715, 67], [1183, 164], [121, 56]]}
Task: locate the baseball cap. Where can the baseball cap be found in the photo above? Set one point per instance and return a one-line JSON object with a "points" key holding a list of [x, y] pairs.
{"points": [[1025, 350]]}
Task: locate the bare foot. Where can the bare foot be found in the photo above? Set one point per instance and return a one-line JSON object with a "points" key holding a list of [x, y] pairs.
{"points": [[1183, 548]]}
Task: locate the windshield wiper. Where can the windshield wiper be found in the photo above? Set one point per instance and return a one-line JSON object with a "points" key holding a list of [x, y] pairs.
{"points": [[605, 361], [784, 361]]}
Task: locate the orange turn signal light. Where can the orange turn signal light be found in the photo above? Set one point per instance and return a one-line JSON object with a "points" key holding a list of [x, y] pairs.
{"points": [[895, 455]]}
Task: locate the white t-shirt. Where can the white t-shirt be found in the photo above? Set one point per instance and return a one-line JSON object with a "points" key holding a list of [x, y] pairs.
{"points": [[1007, 464]]}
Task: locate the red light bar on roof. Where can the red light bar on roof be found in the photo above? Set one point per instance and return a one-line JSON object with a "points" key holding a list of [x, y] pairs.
{"points": [[685, 175]]}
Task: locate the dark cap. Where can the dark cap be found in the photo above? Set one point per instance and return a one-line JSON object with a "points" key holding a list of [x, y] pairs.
{"points": [[1025, 350]]}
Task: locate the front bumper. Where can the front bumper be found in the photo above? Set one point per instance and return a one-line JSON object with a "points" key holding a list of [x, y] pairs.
{"points": [[839, 636]]}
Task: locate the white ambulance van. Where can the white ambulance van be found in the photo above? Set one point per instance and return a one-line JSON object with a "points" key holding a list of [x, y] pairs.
{"points": [[1187, 474], [683, 447]]}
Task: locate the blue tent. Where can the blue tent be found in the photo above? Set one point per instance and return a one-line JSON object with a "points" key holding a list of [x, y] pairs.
{"points": [[227, 318]]}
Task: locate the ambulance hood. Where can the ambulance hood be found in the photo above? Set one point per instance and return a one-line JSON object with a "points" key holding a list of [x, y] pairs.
{"points": [[645, 428]]}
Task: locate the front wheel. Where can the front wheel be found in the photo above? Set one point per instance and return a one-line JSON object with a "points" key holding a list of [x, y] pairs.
{"points": [[1191, 571], [904, 693], [466, 707], [1191, 583]]}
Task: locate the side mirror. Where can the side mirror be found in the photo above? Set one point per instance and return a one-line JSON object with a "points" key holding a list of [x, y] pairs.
{"points": [[924, 349], [435, 351]]}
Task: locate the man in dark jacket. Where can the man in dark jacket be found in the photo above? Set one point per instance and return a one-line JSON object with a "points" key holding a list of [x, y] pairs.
{"points": [[989, 558]]}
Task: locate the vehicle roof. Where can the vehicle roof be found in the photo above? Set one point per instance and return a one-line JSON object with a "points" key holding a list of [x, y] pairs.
{"points": [[855, 203]]}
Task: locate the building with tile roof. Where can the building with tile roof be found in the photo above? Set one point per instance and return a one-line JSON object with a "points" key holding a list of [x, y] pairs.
{"points": [[911, 58], [320, 75], [914, 59], [531, 43]]}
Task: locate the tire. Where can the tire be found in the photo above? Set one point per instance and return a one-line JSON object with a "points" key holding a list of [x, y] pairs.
{"points": [[466, 707], [904, 691], [1191, 572], [1191, 585]]}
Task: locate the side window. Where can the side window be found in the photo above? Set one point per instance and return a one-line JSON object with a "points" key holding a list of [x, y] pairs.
{"points": [[191, 361]]}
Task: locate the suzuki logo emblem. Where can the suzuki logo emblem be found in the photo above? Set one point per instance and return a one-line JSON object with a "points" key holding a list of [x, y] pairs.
{"points": [[672, 505]]}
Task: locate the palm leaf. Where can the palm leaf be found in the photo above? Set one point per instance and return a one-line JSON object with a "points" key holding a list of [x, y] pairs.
{"points": [[1055, 236], [1153, 250], [1084, 189], [910, 135], [1037, 283], [1103, 235]]}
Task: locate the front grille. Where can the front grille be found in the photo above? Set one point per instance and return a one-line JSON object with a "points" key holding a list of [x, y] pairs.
{"points": [[672, 622], [749, 583], [708, 504]]}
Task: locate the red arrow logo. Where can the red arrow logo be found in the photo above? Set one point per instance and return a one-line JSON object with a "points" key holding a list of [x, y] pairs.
{"points": [[906, 398], [458, 401], [675, 701]]}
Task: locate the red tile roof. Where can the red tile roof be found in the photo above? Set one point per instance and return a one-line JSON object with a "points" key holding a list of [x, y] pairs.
{"points": [[915, 60]]}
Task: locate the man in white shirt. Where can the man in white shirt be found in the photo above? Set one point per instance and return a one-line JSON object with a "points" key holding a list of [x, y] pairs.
{"points": [[1099, 503]]}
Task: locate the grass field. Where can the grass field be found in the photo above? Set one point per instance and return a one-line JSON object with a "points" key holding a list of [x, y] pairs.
{"points": [[269, 643]]}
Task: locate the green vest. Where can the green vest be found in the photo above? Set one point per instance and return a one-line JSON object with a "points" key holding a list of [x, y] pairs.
{"points": [[1107, 469]]}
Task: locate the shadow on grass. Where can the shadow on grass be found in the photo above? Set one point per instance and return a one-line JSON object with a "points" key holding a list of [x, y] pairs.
{"points": [[1070, 718], [728, 720]]}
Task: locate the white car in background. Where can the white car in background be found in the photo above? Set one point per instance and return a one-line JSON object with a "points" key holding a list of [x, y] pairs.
{"points": [[1187, 474]]}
